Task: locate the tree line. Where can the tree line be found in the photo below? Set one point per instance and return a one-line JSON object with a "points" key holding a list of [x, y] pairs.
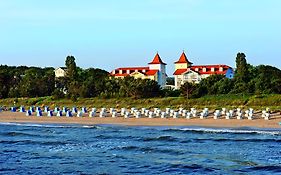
{"points": [[25, 81], [248, 79]]}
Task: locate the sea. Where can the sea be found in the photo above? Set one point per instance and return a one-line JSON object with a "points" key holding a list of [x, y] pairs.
{"points": [[115, 149]]}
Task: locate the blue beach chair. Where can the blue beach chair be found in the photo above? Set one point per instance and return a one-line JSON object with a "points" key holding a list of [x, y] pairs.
{"points": [[28, 113], [64, 109], [32, 109], [13, 109], [46, 109], [59, 113], [84, 110], [68, 114], [56, 109], [39, 113], [50, 113], [74, 110], [22, 109]]}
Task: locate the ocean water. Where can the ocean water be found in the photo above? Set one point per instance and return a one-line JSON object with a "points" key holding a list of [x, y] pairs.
{"points": [[108, 149]]}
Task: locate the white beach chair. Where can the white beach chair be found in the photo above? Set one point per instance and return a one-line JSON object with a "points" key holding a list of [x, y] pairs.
{"points": [[114, 114], [143, 111], [123, 111], [92, 114], [50, 114], [39, 114], [59, 113], [151, 114], [163, 114], [227, 116], [172, 113], [176, 115], [74, 110], [146, 113], [127, 114], [28, 113], [132, 110], [22, 109], [138, 114], [168, 111], [79, 114], [188, 115], [217, 114]]}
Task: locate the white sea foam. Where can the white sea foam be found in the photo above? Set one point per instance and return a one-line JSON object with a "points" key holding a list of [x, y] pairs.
{"points": [[235, 131], [47, 125]]}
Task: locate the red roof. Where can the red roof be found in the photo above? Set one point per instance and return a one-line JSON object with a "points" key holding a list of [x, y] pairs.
{"points": [[151, 72], [157, 60], [132, 68], [200, 69], [180, 71], [183, 59]]}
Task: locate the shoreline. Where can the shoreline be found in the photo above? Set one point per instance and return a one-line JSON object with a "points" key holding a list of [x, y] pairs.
{"points": [[16, 117]]}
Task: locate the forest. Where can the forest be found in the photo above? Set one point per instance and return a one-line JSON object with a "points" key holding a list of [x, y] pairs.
{"points": [[23, 81]]}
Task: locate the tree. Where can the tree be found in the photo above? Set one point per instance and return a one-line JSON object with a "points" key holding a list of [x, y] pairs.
{"points": [[242, 68], [187, 89], [170, 81], [70, 64]]}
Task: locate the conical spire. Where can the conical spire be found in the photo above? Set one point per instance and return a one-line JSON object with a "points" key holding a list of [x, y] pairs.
{"points": [[183, 59], [157, 60]]}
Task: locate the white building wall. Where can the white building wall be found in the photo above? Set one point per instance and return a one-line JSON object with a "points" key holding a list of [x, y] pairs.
{"points": [[59, 72], [161, 78]]}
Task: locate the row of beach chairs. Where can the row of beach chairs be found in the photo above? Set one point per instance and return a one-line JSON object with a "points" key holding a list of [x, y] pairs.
{"points": [[143, 112]]}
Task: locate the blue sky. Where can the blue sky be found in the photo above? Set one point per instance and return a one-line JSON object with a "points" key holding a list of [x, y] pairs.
{"points": [[110, 33]]}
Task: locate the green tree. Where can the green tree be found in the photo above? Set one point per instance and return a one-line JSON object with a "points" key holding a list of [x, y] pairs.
{"points": [[71, 72], [187, 89], [242, 68]]}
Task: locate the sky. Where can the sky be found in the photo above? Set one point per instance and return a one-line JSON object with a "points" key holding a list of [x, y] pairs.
{"points": [[108, 34]]}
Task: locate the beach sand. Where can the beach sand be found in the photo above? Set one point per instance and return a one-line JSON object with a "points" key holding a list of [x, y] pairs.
{"points": [[257, 122]]}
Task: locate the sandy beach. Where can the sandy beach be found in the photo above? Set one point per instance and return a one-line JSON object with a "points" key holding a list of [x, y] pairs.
{"points": [[257, 122]]}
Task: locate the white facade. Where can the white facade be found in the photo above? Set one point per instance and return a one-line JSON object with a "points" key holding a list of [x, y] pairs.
{"points": [[186, 72], [59, 72], [188, 76], [161, 74]]}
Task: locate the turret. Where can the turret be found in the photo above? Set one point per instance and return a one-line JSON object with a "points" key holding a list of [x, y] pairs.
{"points": [[158, 64], [183, 62]]}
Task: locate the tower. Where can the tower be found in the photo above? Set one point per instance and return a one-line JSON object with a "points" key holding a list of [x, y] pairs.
{"points": [[183, 62], [181, 66], [158, 64]]}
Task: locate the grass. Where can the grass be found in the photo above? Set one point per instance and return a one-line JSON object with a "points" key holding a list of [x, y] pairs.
{"points": [[273, 101]]}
